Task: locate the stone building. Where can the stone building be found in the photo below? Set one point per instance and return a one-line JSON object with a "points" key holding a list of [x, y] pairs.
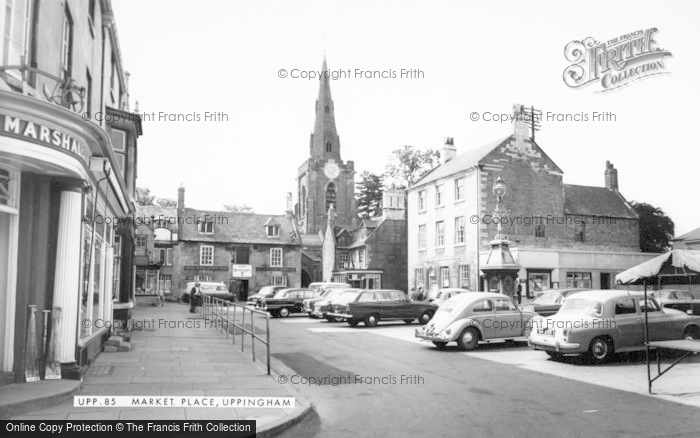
{"points": [[66, 176], [156, 251], [244, 251], [689, 240], [336, 245], [561, 235]]}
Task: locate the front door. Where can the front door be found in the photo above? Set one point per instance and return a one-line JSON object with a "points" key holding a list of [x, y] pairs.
{"points": [[604, 280], [628, 323], [508, 319], [242, 292]]}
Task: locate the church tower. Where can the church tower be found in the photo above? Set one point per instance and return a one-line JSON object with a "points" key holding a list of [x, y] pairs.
{"points": [[324, 179]]}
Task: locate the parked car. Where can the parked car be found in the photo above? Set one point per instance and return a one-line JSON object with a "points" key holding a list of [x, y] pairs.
{"points": [[472, 317], [372, 306], [327, 285], [212, 289], [674, 299], [322, 305], [445, 294], [264, 292], [599, 323], [286, 301], [549, 302]]}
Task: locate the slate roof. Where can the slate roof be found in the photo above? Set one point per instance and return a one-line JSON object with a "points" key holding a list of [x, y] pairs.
{"points": [[460, 163], [311, 240], [238, 228], [154, 210], [691, 235], [596, 201]]}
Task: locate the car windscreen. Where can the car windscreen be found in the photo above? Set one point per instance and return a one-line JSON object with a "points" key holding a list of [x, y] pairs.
{"points": [[547, 298], [346, 297], [579, 305]]}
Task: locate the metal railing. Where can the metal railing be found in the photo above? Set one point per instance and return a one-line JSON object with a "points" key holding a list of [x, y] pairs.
{"points": [[219, 310]]}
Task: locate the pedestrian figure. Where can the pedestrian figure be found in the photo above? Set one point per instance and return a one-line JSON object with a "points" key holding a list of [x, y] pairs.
{"points": [[420, 296], [520, 293], [194, 294]]}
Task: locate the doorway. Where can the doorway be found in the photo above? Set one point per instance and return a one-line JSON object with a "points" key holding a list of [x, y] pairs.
{"points": [[605, 280]]}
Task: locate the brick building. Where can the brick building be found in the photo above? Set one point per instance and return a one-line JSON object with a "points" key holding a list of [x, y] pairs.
{"points": [[244, 251], [369, 254], [64, 178], [562, 235]]}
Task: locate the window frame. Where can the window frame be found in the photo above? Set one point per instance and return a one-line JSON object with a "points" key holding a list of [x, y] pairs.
{"points": [[460, 230], [273, 257], [440, 234], [459, 189], [422, 237], [439, 198], [202, 256], [67, 44], [422, 205]]}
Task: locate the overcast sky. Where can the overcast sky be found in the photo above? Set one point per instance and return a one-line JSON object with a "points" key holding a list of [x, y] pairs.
{"points": [[224, 56]]}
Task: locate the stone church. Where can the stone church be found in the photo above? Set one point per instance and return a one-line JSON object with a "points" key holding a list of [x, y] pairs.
{"points": [[368, 253]]}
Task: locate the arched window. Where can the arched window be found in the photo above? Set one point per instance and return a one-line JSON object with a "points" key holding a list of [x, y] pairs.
{"points": [[329, 146], [330, 196]]}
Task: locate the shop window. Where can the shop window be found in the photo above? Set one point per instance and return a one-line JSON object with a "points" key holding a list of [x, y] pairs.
{"points": [[165, 283], [578, 279]]}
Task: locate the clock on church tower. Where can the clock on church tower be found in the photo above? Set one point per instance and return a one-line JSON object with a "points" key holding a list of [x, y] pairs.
{"points": [[331, 170]]}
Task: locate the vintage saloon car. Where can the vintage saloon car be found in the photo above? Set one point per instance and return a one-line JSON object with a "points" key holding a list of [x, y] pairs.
{"points": [[374, 305], [675, 299], [323, 306], [445, 294], [264, 292], [598, 323], [286, 301], [326, 290], [549, 302], [471, 317]]}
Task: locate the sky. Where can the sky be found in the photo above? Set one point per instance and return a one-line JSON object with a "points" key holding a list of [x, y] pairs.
{"points": [[189, 58]]}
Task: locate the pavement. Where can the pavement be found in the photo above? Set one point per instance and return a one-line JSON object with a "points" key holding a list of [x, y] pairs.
{"points": [[175, 353]]}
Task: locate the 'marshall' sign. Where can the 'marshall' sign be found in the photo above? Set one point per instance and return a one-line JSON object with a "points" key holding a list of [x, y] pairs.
{"points": [[615, 63], [43, 135]]}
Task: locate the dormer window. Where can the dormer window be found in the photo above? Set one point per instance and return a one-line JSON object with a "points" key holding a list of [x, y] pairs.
{"points": [[205, 225], [272, 230], [329, 146]]}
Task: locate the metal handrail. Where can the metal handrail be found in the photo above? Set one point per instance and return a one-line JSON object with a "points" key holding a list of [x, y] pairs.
{"points": [[212, 309]]}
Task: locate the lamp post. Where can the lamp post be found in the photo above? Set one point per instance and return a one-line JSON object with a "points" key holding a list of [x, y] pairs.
{"points": [[499, 189]]}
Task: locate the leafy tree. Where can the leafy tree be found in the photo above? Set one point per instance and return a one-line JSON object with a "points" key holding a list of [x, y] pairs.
{"points": [[143, 196], [656, 230], [369, 197], [166, 202], [235, 208], [408, 164]]}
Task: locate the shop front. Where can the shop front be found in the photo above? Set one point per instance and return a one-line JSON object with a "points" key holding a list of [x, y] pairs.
{"points": [[58, 202]]}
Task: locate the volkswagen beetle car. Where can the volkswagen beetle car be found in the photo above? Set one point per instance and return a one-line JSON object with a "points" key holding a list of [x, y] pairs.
{"points": [[549, 302], [374, 305], [599, 323], [473, 317]]}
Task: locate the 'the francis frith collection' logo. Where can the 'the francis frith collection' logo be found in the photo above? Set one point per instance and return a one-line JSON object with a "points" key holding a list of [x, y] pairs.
{"points": [[615, 63]]}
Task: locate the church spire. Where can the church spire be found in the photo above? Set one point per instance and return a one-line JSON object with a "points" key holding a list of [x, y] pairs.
{"points": [[325, 142]]}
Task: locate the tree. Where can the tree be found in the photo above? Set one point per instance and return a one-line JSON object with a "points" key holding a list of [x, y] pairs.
{"points": [[235, 208], [408, 164], [166, 202], [143, 196], [656, 230], [369, 197]]}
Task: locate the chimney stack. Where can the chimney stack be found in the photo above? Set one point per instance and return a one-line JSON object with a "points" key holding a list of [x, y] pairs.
{"points": [[448, 151], [181, 197], [394, 204], [290, 208], [610, 176]]}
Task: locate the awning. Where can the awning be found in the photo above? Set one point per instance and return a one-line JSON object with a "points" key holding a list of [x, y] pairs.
{"points": [[677, 262]]}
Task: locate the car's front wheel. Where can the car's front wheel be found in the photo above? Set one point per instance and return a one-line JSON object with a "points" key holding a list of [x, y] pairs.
{"points": [[371, 320], [284, 312], [601, 350], [426, 316], [468, 339]]}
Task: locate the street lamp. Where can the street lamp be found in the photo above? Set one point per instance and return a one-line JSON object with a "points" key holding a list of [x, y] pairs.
{"points": [[499, 189]]}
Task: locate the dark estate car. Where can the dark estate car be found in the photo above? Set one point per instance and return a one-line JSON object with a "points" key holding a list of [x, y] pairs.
{"points": [[372, 306], [264, 292], [549, 302], [286, 301]]}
